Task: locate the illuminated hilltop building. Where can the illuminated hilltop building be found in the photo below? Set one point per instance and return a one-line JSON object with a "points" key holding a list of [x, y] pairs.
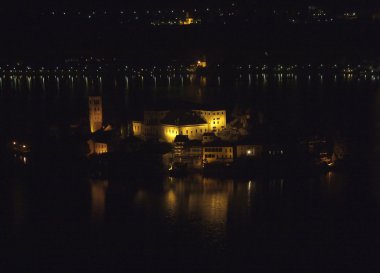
{"points": [[189, 20], [166, 125], [202, 63]]}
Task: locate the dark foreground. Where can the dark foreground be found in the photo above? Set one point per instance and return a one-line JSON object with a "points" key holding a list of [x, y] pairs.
{"points": [[323, 223]]}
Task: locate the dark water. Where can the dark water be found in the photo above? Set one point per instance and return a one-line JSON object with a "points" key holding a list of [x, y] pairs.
{"points": [[313, 223]]}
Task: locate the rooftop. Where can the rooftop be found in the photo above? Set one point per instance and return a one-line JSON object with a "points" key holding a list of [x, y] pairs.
{"points": [[102, 136], [218, 143], [181, 118], [181, 138]]}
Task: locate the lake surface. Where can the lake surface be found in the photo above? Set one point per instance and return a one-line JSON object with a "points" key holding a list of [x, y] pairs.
{"points": [[313, 223]]}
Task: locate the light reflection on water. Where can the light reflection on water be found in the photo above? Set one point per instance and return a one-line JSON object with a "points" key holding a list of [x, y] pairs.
{"points": [[205, 206], [215, 220], [98, 200]]}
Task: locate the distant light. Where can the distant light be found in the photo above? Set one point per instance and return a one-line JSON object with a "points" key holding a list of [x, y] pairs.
{"points": [[14, 143]]}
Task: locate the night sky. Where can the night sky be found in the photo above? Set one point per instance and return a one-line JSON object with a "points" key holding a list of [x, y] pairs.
{"points": [[90, 4]]}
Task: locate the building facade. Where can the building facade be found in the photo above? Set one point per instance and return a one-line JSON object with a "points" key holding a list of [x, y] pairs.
{"points": [[97, 147], [217, 153], [216, 120]]}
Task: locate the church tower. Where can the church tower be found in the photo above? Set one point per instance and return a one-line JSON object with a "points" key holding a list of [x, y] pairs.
{"points": [[95, 113]]}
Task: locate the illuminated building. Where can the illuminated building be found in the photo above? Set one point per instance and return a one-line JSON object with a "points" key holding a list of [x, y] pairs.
{"points": [[201, 64], [95, 113], [166, 125], [183, 123], [215, 119], [189, 20], [137, 128], [217, 152]]}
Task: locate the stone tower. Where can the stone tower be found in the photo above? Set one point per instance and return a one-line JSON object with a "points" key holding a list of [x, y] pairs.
{"points": [[95, 113]]}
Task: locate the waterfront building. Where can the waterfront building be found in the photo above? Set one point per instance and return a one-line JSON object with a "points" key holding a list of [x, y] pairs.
{"points": [[187, 151], [179, 145], [217, 152]]}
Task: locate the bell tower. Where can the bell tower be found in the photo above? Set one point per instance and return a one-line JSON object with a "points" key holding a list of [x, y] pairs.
{"points": [[95, 113]]}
